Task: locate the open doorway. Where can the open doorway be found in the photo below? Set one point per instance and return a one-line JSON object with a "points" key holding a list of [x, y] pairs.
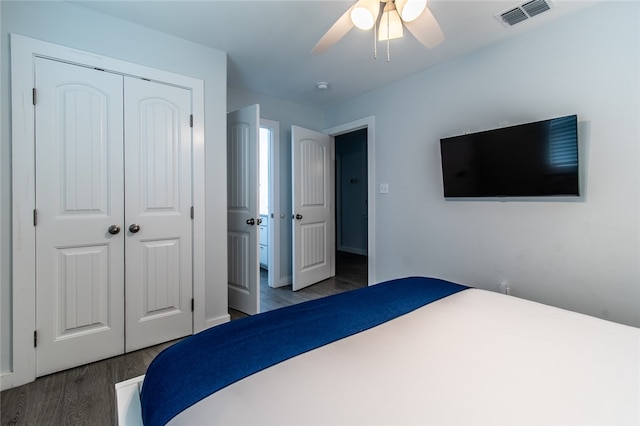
{"points": [[279, 219], [269, 203], [351, 197], [263, 190], [314, 207], [355, 130], [278, 297], [353, 262]]}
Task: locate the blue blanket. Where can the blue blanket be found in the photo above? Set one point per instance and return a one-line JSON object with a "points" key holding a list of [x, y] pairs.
{"points": [[204, 363]]}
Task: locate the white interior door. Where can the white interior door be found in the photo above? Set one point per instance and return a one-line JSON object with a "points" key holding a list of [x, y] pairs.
{"points": [[313, 207], [158, 202], [243, 245], [79, 196]]}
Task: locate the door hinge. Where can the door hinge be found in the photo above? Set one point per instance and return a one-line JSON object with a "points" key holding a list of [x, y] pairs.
{"points": [[35, 338], [192, 305], [35, 217], [191, 120], [33, 95], [192, 214]]}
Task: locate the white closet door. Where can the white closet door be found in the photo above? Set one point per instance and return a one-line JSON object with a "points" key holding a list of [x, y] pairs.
{"points": [[158, 213], [79, 196], [313, 207]]}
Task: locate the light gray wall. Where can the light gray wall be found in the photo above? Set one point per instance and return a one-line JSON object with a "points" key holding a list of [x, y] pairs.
{"points": [[580, 254], [287, 114], [74, 26]]}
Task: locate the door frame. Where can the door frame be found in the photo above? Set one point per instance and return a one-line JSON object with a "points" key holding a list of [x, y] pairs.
{"points": [[369, 124], [23, 51], [275, 217]]}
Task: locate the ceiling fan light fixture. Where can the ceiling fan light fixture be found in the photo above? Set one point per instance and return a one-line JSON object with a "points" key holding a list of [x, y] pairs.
{"points": [[410, 9], [365, 13], [390, 24]]}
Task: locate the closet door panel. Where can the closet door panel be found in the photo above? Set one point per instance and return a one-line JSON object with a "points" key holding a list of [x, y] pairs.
{"points": [[158, 212], [79, 196]]}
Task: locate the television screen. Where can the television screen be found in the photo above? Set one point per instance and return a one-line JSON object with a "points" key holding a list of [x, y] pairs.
{"points": [[534, 159]]}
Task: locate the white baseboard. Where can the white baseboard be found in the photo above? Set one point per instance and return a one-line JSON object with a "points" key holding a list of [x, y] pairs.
{"points": [[6, 380], [286, 280], [212, 322]]}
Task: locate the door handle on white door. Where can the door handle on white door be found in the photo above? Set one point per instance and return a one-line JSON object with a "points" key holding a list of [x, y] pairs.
{"points": [[134, 227], [251, 221], [114, 229], [298, 216]]}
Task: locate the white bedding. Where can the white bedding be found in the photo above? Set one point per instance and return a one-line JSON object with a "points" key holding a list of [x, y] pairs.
{"points": [[472, 358]]}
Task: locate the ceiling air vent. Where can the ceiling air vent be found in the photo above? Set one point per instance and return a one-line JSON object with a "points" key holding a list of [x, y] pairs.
{"points": [[535, 7], [523, 12], [514, 16]]}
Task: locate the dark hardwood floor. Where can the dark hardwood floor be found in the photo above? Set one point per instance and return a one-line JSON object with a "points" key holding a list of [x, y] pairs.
{"points": [[86, 395], [351, 273], [83, 395]]}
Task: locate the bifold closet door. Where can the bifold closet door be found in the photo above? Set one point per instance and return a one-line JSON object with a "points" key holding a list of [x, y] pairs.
{"points": [[157, 212], [80, 212], [113, 188]]}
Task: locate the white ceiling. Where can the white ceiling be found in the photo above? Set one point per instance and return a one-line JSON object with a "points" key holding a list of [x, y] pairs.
{"points": [[269, 42]]}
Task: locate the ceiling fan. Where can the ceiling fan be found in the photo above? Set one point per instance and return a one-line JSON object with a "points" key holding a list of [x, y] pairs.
{"points": [[387, 18]]}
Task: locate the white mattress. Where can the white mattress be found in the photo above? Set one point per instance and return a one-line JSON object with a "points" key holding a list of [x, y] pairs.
{"points": [[473, 358]]}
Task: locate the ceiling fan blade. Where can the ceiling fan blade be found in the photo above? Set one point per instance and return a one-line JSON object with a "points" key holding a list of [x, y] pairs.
{"points": [[338, 30], [426, 29]]}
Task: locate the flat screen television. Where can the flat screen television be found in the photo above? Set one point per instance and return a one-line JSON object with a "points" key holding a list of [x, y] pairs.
{"points": [[528, 160]]}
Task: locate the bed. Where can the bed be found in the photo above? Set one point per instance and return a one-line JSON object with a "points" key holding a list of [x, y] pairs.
{"points": [[408, 351]]}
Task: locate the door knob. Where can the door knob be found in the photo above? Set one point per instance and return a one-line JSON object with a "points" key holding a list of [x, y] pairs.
{"points": [[298, 216], [114, 229], [134, 227], [251, 221], [259, 221]]}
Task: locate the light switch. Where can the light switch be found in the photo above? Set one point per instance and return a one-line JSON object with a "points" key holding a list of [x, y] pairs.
{"points": [[384, 188]]}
